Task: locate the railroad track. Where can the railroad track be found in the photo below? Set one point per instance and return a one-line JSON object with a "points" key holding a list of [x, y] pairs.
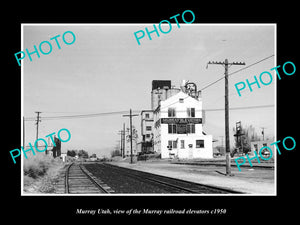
{"points": [[174, 185], [78, 180]]}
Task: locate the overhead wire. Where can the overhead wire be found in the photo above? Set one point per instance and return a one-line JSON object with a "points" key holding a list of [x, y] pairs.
{"points": [[237, 71], [134, 111], [214, 82], [138, 111]]}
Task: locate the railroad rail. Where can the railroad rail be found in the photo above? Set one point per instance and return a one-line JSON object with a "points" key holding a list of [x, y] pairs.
{"points": [[78, 180], [174, 185]]}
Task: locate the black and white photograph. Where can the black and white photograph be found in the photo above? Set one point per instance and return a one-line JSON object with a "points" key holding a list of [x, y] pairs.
{"points": [[149, 118]]}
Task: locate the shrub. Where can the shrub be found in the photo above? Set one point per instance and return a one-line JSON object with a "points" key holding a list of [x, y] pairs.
{"points": [[36, 166], [40, 173]]}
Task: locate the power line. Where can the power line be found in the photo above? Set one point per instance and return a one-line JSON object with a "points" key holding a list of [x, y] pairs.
{"points": [[236, 72], [216, 81], [240, 108], [122, 112], [250, 65], [137, 111], [79, 116]]}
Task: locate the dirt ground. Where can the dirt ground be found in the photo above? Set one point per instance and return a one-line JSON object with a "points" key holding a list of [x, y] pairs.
{"points": [[251, 181]]}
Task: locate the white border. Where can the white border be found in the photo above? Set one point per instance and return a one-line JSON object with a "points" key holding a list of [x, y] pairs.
{"points": [[143, 24]]}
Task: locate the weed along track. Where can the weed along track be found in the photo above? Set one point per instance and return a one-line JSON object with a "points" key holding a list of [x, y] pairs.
{"points": [[78, 180]]}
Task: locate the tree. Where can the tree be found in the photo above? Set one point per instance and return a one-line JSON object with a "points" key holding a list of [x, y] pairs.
{"points": [[71, 153], [83, 154], [134, 134], [244, 141], [93, 156]]}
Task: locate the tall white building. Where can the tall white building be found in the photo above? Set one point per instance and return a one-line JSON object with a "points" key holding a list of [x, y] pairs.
{"points": [[178, 128]]}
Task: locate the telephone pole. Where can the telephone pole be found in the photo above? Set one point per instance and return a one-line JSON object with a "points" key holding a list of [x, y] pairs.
{"points": [[37, 126], [263, 132], [23, 131], [121, 141], [130, 116], [123, 154], [226, 64]]}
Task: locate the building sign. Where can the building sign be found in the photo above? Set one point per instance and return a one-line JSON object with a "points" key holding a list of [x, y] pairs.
{"points": [[181, 121]]}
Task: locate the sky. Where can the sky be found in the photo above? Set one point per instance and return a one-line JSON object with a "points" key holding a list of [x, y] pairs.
{"points": [[105, 70]]}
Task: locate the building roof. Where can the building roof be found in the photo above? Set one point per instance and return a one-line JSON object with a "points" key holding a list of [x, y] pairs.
{"points": [[161, 84], [146, 110], [180, 94]]}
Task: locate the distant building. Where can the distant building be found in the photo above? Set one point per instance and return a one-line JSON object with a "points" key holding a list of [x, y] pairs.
{"points": [[161, 90], [257, 145], [147, 131]]}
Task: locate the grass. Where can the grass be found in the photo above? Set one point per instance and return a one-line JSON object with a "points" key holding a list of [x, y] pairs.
{"points": [[41, 173]]}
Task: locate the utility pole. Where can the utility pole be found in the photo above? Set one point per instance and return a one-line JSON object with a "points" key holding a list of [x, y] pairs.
{"points": [[122, 143], [130, 116], [23, 132], [226, 64], [37, 126], [123, 154], [263, 132]]}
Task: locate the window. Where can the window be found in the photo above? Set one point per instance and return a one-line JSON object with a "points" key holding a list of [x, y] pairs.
{"points": [[147, 116], [169, 143], [148, 135], [190, 112], [172, 129], [181, 144], [172, 144], [265, 151], [190, 128], [171, 112], [255, 147], [199, 143], [149, 128], [181, 100]]}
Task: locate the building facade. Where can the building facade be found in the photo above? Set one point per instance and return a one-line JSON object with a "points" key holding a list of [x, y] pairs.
{"points": [[147, 131], [178, 128], [257, 145], [161, 90]]}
